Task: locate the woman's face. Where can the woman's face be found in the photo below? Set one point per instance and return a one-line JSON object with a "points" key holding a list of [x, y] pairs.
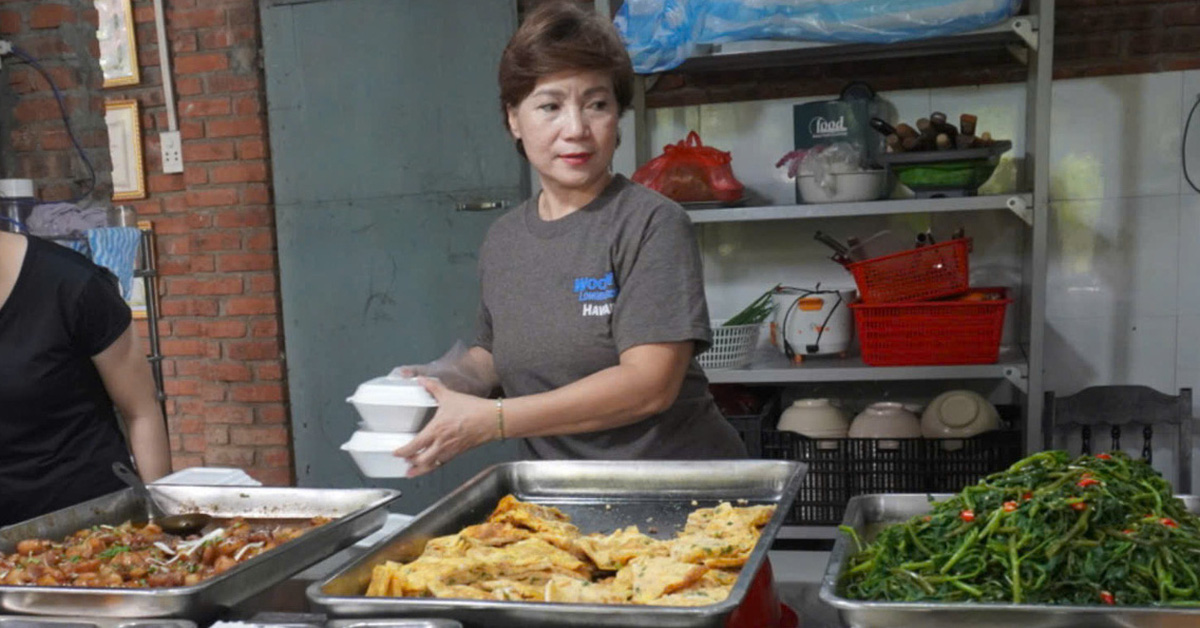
{"points": [[568, 125]]}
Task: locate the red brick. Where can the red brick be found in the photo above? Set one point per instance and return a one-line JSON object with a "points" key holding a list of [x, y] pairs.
{"points": [[216, 434], [268, 372], [222, 150], [180, 462], [159, 183], [254, 171], [201, 107], [225, 329], [261, 283], [257, 393], [143, 14], [35, 109], [246, 105], [271, 477], [229, 372], [254, 350], [218, 413], [252, 149], [249, 306], [189, 20], [51, 16], [190, 426], [235, 127], [201, 63], [217, 241], [229, 83], [274, 456], [181, 387], [172, 347], [273, 435], [259, 240], [248, 217], [176, 442], [216, 39], [194, 443], [271, 414], [221, 197], [233, 262], [183, 42], [1181, 14], [189, 329], [191, 130], [1106, 20], [189, 307], [195, 175], [220, 456], [214, 286], [189, 368], [188, 86], [202, 264], [214, 391], [10, 22], [264, 329], [256, 193]]}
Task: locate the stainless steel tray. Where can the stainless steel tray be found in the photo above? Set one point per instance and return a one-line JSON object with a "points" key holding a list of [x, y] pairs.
{"points": [[356, 513], [25, 621], [599, 497], [393, 623], [865, 513]]}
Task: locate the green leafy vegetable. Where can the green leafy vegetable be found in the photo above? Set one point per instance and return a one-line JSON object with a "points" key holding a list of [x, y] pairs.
{"points": [[113, 551], [757, 312], [1103, 529]]}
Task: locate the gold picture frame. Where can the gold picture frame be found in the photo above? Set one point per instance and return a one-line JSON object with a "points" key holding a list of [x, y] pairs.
{"points": [[118, 43], [123, 118]]}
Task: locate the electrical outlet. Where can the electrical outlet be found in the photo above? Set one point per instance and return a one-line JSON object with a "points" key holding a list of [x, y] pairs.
{"points": [[172, 151]]}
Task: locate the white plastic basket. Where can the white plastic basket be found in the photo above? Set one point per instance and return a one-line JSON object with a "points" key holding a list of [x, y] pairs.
{"points": [[732, 346]]}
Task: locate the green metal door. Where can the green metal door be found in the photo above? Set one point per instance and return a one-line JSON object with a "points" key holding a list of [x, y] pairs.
{"points": [[383, 120]]}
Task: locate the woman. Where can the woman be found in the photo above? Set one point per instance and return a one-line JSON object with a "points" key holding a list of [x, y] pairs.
{"points": [[592, 306], [68, 353]]}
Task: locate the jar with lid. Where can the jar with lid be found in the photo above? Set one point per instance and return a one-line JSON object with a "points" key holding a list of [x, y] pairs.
{"points": [[16, 204]]}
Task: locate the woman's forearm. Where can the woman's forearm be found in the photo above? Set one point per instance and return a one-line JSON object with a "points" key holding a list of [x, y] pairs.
{"points": [[127, 378], [151, 449]]}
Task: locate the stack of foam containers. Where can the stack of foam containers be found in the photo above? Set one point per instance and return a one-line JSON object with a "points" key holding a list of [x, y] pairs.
{"points": [[393, 410]]}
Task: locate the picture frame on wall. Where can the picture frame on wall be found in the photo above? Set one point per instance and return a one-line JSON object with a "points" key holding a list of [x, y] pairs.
{"points": [[118, 43], [123, 118]]}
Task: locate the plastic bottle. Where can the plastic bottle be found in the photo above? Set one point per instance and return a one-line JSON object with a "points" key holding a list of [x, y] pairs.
{"points": [[16, 204]]}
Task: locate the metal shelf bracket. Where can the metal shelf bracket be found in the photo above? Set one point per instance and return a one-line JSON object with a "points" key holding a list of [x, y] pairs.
{"points": [[1017, 378], [1018, 206], [1025, 29]]}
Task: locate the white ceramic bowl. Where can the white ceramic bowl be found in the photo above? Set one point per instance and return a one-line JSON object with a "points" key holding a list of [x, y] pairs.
{"points": [[847, 187], [393, 404], [886, 419], [959, 414], [814, 418], [372, 452]]}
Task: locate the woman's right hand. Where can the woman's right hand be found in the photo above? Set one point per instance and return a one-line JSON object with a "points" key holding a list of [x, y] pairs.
{"points": [[462, 422]]}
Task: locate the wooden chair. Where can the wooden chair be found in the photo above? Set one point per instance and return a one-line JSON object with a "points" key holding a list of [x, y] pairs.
{"points": [[1124, 409]]}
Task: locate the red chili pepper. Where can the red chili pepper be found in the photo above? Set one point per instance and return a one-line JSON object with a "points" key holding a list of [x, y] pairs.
{"points": [[1080, 506], [1086, 480], [1027, 496], [1107, 598], [967, 515], [1170, 523], [1010, 506], [928, 518], [1127, 531], [1104, 456]]}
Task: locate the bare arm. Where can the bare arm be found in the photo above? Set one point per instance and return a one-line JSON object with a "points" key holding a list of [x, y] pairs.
{"points": [[472, 371], [645, 382], [126, 375]]}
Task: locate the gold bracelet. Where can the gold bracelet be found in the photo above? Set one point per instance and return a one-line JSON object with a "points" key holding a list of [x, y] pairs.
{"points": [[500, 416]]}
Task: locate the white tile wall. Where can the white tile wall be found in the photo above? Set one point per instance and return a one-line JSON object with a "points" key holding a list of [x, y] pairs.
{"points": [[1189, 253], [1191, 96]]}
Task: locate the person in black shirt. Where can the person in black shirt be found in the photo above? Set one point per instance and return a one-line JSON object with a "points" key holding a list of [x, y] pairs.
{"points": [[68, 354]]}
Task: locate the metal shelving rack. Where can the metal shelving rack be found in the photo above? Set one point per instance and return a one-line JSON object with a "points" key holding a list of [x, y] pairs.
{"points": [[1030, 38]]}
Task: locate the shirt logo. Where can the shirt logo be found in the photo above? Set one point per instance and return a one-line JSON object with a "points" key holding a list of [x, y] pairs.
{"points": [[592, 289]]}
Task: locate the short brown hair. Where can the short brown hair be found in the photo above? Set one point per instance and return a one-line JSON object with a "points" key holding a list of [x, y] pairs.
{"points": [[561, 35]]}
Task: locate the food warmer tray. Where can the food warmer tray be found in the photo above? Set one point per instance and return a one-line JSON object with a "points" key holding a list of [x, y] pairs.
{"points": [[356, 513], [393, 623], [599, 496], [25, 621], [867, 513]]}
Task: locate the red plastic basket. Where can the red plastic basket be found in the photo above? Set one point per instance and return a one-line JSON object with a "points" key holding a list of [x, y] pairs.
{"points": [[921, 274], [957, 331]]}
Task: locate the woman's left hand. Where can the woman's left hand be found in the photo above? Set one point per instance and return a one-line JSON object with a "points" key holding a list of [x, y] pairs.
{"points": [[462, 422]]}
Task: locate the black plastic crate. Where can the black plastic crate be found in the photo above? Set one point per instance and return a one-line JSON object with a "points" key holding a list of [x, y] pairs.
{"points": [[752, 426], [842, 468]]}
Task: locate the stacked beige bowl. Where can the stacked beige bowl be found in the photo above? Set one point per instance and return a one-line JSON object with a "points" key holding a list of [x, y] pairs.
{"points": [[393, 411]]}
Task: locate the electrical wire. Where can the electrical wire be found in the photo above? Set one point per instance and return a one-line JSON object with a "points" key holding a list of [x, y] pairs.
{"points": [[62, 108], [1183, 144], [804, 294]]}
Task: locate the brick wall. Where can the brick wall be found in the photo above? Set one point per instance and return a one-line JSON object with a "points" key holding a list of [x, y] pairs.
{"points": [[215, 222], [33, 141]]}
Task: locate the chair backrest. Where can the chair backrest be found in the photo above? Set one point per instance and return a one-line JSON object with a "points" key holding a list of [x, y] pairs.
{"points": [[1126, 411]]}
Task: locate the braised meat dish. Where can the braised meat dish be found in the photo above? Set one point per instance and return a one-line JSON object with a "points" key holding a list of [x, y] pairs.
{"points": [[129, 556], [529, 552]]}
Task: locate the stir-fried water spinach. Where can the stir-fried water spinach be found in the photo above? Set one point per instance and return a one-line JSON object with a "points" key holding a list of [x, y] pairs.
{"points": [[1102, 529]]}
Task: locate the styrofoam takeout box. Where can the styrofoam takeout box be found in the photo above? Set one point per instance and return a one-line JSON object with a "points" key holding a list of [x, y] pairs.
{"points": [[393, 404], [372, 452]]}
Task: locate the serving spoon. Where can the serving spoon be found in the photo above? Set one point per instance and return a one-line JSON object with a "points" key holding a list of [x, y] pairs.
{"points": [[180, 525]]}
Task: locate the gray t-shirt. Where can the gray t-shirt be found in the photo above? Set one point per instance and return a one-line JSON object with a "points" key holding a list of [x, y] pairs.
{"points": [[562, 299]]}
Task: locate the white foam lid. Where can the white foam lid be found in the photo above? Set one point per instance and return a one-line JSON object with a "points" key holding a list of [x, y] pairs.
{"points": [[364, 441], [393, 391]]}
